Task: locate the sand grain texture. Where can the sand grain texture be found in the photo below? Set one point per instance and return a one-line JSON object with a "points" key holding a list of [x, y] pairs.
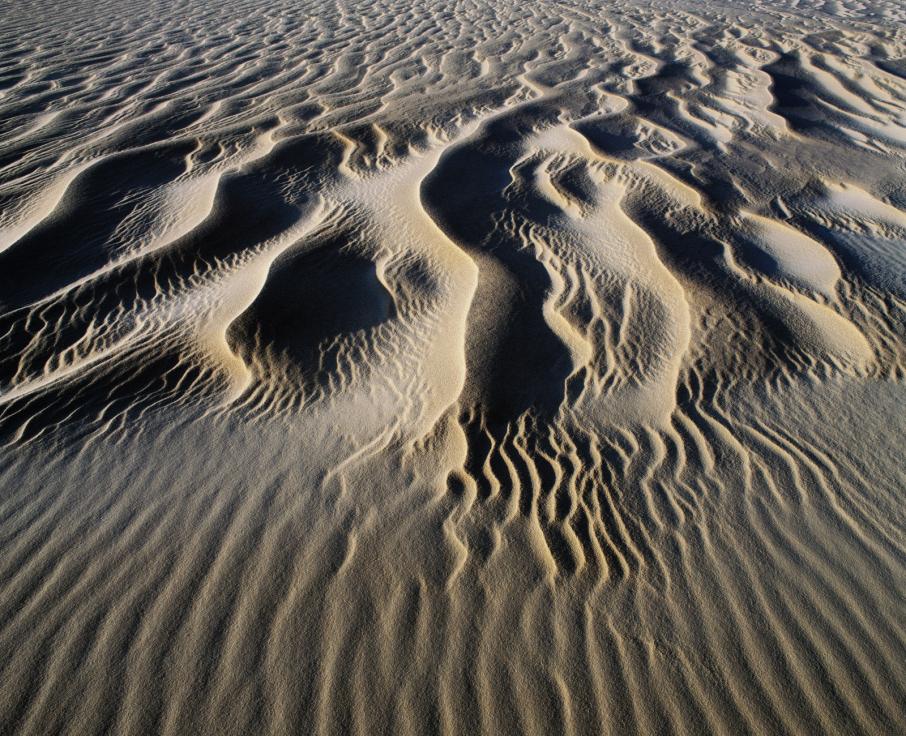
{"points": [[456, 368]]}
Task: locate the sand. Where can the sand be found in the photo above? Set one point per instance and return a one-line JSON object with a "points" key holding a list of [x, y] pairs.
{"points": [[452, 367]]}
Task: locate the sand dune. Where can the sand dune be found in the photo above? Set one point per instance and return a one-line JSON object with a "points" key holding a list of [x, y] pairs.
{"points": [[452, 368]]}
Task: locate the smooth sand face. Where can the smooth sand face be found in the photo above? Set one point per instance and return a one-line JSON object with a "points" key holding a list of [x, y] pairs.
{"points": [[457, 368]]}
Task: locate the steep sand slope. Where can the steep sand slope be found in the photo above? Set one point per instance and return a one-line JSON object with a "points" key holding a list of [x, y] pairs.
{"points": [[468, 367]]}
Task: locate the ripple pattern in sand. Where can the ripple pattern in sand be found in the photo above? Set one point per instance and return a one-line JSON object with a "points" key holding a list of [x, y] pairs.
{"points": [[452, 367]]}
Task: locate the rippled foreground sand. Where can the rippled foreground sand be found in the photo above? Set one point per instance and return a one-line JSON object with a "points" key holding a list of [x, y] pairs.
{"points": [[452, 367]]}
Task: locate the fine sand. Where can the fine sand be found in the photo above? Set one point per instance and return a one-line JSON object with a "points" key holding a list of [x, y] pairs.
{"points": [[475, 367]]}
